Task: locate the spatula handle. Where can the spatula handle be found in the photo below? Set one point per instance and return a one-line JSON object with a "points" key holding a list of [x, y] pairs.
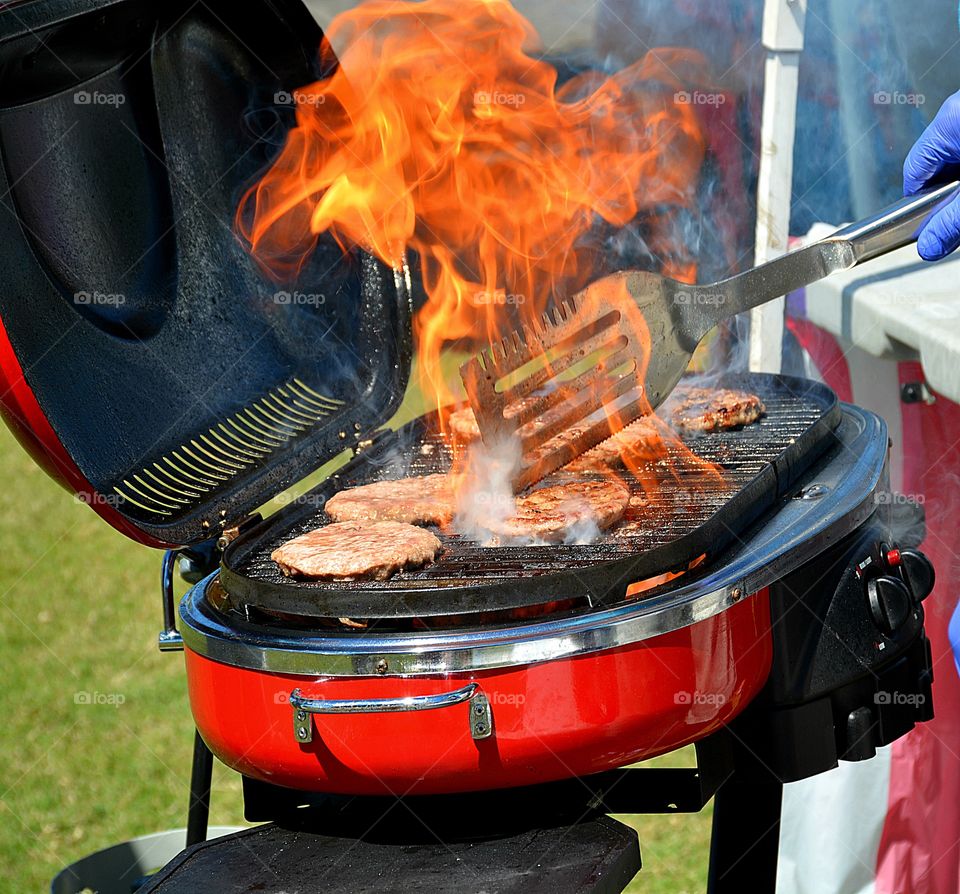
{"points": [[890, 229], [895, 226]]}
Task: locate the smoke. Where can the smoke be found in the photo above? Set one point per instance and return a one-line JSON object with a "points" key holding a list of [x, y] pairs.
{"points": [[487, 510], [485, 499], [583, 527]]}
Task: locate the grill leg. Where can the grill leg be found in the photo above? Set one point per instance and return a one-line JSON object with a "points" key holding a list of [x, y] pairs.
{"points": [[199, 810], [746, 836]]}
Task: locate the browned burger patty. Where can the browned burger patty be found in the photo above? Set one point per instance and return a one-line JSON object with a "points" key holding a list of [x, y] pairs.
{"points": [[426, 500], [713, 409], [635, 440], [555, 512], [637, 519], [350, 550], [464, 428], [463, 424]]}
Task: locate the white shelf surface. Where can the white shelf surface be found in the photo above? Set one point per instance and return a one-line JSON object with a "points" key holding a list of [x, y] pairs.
{"points": [[897, 307]]}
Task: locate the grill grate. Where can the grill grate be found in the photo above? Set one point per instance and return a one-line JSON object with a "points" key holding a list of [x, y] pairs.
{"points": [[673, 512]]}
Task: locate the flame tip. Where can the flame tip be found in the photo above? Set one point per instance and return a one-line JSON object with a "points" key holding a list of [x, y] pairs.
{"points": [[395, 149]]}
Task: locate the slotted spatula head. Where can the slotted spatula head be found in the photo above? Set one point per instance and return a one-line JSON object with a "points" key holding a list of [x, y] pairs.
{"points": [[584, 369], [642, 329]]}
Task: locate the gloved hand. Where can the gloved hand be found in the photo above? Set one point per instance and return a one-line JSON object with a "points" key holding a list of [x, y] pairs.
{"points": [[935, 158]]}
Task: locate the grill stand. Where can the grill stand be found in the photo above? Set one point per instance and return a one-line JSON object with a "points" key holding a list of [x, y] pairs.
{"points": [[555, 836], [745, 839], [201, 774]]}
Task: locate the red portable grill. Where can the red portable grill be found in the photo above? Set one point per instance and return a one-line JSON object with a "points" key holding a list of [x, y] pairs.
{"points": [[149, 365]]}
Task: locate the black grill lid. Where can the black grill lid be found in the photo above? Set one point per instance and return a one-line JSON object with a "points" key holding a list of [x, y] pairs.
{"points": [[185, 385]]}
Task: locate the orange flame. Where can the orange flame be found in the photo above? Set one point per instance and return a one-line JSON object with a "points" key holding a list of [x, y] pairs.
{"points": [[440, 134]]}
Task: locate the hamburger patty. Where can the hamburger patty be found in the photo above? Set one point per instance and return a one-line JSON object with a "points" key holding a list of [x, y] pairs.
{"points": [[635, 439], [713, 409], [426, 500], [464, 428], [463, 424], [348, 550], [557, 511], [635, 519]]}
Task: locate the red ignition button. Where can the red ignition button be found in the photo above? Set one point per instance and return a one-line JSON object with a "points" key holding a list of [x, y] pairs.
{"points": [[892, 558]]}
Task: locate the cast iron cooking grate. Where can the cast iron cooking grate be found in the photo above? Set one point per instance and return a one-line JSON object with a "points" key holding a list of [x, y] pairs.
{"points": [[701, 514]]}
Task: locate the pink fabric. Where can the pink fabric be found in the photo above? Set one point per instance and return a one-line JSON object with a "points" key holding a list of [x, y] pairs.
{"points": [[920, 846], [919, 850]]}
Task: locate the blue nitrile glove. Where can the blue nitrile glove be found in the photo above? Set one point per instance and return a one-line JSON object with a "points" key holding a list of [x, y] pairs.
{"points": [[953, 632], [935, 158]]}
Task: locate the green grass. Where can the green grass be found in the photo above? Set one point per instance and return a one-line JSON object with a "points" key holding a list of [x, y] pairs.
{"points": [[79, 613]]}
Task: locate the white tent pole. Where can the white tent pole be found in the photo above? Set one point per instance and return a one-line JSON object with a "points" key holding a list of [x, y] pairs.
{"points": [[783, 23]]}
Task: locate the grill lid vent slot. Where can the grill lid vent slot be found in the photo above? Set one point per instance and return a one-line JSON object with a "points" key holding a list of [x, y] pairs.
{"points": [[201, 465]]}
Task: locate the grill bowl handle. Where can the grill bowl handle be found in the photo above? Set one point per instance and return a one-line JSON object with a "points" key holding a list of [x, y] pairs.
{"points": [[481, 715]]}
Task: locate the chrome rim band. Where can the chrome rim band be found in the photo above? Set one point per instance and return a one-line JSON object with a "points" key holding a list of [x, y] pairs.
{"points": [[798, 532]]}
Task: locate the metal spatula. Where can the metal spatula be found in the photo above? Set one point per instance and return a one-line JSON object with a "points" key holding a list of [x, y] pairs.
{"points": [[636, 332]]}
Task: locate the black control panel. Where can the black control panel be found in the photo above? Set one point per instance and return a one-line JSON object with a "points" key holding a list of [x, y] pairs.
{"points": [[895, 581], [851, 663]]}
